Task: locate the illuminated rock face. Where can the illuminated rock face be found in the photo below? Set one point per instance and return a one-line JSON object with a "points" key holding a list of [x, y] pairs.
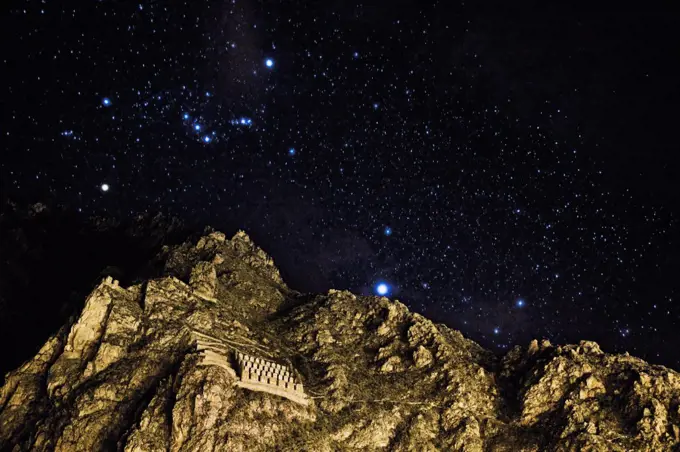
{"points": [[214, 355]]}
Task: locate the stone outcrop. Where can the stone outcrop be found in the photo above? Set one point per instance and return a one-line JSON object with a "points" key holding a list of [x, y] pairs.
{"points": [[219, 354]]}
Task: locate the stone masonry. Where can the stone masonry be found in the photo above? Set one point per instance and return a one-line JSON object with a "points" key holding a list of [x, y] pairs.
{"points": [[259, 374], [255, 374]]}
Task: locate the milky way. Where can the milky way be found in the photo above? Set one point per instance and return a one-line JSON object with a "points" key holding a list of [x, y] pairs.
{"points": [[483, 167]]}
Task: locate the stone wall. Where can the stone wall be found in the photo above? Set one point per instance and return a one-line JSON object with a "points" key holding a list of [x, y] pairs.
{"points": [[254, 373], [267, 376]]}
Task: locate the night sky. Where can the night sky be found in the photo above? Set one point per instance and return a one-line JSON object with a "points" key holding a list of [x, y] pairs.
{"points": [[509, 173]]}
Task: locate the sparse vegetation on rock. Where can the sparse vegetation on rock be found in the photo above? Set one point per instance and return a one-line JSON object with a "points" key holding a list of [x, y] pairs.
{"points": [[128, 374]]}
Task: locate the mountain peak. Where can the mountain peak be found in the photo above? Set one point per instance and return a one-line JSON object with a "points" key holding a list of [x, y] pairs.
{"points": [[219, 354]]}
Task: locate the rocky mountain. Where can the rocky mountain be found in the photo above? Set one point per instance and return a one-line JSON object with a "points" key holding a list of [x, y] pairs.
{"points": [[219, 354]]}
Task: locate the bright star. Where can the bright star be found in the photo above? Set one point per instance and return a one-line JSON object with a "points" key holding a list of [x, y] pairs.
{"points": [[197, 127], [375, 106], [520, 303], [496, 330], [269, 62], [185, 116], [207, 139], [388, 231], [291, 151], [106, 102], [382, 289], [105, 187]]}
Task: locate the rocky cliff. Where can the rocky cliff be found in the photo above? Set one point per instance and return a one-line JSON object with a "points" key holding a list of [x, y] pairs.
{"points": [[219, 354]]}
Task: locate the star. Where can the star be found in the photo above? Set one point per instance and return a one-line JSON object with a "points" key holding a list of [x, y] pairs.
{"points": [[496, 330], [291, 151], [197, 127], [106, 102], [185, 116], [520, 303], [382, 288], [269, 63], [207, 139], [105, 187], [387, 231]]}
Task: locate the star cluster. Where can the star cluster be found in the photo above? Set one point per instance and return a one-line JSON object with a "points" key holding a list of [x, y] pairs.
{"points": [[438, 155]]}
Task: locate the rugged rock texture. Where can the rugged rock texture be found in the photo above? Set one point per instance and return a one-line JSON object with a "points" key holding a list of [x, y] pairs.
{"points": [[129, 374], [48, 266]]}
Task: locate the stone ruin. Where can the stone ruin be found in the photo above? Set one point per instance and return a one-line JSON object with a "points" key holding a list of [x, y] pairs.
{"points": [[252, 373], [259, 374]]}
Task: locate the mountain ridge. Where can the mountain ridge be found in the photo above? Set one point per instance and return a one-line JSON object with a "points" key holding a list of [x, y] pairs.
{"points": [[131, 372]]}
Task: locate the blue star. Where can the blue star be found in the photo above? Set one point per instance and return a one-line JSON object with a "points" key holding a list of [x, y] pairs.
{"points": [[291, 151], [197, 127], [269, 62], [375, 106], [106, 102], [388, 231], [185, 116], [520, 303], [207, 94], [207, 139], [496, 330], [356, 54], [382, 288]]}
